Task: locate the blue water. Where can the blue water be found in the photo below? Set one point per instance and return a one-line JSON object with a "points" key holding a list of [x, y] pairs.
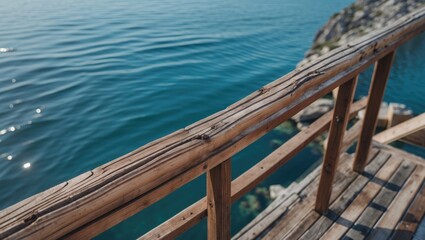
{"points": [[91, 80]]}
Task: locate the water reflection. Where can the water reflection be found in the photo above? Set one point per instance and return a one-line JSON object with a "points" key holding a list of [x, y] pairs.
{"points": [[7, 49], [26, 165]]}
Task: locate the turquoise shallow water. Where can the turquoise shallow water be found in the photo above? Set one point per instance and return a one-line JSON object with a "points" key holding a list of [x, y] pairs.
{"points": [[92, 80]]}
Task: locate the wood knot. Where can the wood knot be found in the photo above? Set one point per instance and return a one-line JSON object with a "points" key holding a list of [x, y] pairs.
{"points": [[204, 137], [263, 90], [375, 47], [328, 168], [337, 119], [218, 125], [31, 218]]}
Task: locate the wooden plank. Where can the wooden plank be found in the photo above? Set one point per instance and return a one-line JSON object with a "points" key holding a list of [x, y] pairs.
{"points": [[343, 223], [278, 208], [376, 94], [380, 204], [218, 201], [410, 221], [256, 228], [401, 130], [335, 139], [341, 203], [397, 116], [308, 220], [247, 180], [417, 138], [79, 204], [344, 177], [388, 222], [340, 197], [400, 153]]}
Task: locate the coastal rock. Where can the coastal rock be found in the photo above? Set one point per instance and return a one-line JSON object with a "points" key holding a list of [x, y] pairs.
{"points": [[313, 111], [356, 20], [390, 114], [276, 191]]}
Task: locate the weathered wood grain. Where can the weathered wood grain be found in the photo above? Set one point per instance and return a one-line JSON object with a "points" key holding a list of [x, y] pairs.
{"points": [[340, 196], [376, 94], [400, 153], [274, 212], [341, 203], [343, 223], [413, 216], [343, 178], [335, 140], [379, 205], [384, 228], [218, 201], [401, 130], [253, 176]]}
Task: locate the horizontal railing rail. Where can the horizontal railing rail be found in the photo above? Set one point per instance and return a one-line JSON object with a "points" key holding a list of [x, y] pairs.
{"points": [[93, 202], [249, 179]]}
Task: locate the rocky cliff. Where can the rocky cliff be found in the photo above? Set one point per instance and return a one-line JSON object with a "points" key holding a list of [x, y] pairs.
{"points": [[358, 19]]}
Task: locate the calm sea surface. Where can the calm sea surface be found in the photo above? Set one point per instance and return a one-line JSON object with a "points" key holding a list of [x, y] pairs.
{"points": [[91, 80]]}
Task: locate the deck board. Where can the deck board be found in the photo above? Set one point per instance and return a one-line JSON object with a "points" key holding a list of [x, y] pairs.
{"points": [[346, 198], [351, 214], [379, 205], [387, 223], [340, 204], [387, 200]]}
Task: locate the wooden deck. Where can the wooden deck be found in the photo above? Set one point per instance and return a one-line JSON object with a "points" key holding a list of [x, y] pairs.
{"points": [[387, 201], [91, 203]]}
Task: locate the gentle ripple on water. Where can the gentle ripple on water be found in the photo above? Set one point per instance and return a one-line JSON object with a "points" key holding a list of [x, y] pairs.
{"points": [[84, 82]]}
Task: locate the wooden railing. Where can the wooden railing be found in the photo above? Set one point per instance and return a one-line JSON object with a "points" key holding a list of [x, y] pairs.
{"points": [[95, 201]]}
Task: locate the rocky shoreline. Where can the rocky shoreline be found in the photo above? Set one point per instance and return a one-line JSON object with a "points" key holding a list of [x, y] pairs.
{"points": [[356, 20]]}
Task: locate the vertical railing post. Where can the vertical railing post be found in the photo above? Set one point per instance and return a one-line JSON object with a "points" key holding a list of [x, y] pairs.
{"points": [[218, 199], [335, 139], [376, 94]]}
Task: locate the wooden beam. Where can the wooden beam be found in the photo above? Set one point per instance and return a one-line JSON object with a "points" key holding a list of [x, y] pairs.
{"points": [[335, 140], [85, 203], [401, 130], [376, 94], [218, 201], [249, 179]]}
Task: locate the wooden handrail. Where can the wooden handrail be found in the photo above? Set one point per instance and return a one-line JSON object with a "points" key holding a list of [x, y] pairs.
{"points": [[97, 200], [249, 179]]}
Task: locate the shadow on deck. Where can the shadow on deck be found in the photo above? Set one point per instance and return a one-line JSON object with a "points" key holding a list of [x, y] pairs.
{"points": [[386, 201]]}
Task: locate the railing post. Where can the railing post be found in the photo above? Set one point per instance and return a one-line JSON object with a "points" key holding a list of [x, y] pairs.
{"points": [[335, 139], [218, 200], [376, 94]]}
